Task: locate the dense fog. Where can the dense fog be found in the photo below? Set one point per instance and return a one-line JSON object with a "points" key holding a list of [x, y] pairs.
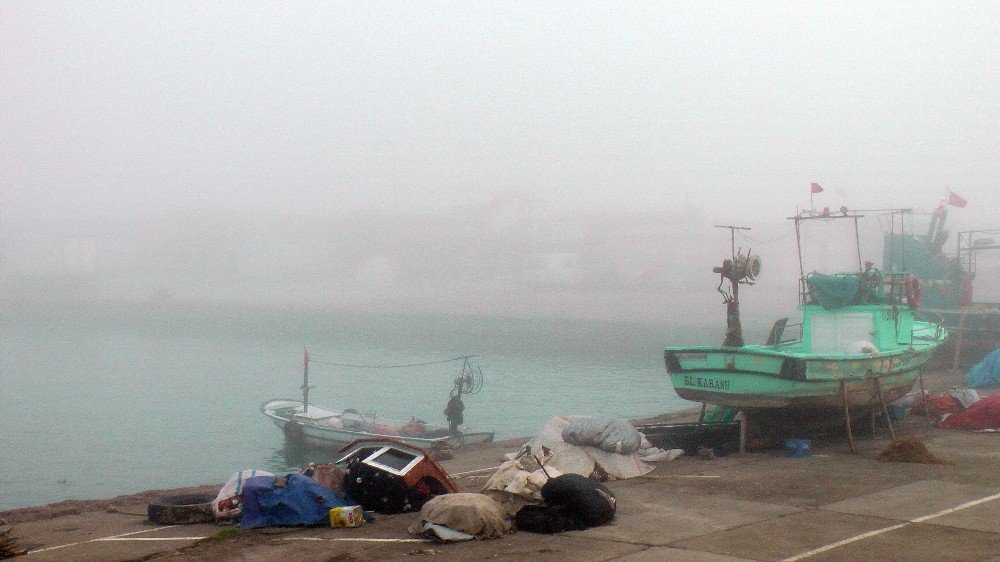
{"points": [[558, 159]]}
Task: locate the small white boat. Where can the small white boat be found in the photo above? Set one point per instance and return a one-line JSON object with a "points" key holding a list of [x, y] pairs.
{"points": [[314, 426], [330, 429]]}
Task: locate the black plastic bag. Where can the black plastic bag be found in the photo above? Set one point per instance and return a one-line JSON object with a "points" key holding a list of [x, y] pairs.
{"points": [[573, 501]]}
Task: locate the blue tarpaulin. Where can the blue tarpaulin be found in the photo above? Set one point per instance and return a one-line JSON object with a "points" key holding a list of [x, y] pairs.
{"points": [[302, 501], [986, 372]]}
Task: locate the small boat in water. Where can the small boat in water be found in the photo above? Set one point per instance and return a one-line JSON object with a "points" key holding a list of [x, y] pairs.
{"points": [[317, 427], [331, 429], [858, 339]]}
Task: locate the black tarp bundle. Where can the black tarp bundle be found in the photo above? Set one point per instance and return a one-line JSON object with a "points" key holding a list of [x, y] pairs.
{"points": [[572, 502]]}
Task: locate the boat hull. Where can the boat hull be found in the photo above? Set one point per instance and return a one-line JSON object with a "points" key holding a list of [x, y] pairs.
{"points": [[757, 378], [316, 436]]}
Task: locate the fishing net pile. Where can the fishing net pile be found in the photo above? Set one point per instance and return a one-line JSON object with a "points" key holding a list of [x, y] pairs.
{"points": [[982, 415], [8, 547], [908, 449]]}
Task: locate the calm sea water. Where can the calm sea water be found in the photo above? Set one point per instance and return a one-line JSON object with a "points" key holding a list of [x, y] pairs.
{"points": [[114, 399]]}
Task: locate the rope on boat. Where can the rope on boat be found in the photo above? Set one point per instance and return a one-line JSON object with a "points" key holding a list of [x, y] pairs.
{"points": [[769, 241], [392, 366]]}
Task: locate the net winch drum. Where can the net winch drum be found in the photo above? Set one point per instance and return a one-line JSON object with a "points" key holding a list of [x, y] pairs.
{"points": [[748, 267]]}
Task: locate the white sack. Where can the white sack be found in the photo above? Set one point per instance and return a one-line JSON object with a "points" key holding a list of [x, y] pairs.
{"points": [[234, 487]]}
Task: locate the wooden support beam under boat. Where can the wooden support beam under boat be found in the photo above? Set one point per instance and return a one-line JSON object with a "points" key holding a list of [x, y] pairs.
{"points": [[958, 343], [744, 422], [923, 397], [871, 415], [847, 415], [885, 407]]}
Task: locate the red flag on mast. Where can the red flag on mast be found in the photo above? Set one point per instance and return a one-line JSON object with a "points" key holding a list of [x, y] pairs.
{"points": [[815, 188], [956, 201], [305, 358]]}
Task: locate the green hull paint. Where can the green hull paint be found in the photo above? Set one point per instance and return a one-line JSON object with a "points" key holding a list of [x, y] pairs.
{"points": [[791, 374]]}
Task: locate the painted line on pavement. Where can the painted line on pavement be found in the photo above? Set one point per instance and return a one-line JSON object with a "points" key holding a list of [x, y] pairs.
{"points": [[350, 539], [139, 532], [863, 536], [110, 539], [100, 539], [475, 471], [664, 476], [53, 548]]}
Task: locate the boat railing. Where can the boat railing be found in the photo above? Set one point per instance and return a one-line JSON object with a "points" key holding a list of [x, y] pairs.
{"points": [[938, 328]]}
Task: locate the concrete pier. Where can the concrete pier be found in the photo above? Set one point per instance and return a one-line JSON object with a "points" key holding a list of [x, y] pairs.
{"points": [[834, 505]]}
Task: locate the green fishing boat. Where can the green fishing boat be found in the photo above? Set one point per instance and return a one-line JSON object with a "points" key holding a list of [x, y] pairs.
{"points": [[857, 336], [958, 291]]}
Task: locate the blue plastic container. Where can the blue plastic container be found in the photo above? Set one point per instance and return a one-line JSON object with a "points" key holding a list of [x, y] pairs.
{"points": [[798, 448]]}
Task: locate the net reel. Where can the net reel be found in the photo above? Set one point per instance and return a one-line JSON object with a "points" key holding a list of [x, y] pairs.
{"points": [[748, 267], [469, 380], [740, 269]]}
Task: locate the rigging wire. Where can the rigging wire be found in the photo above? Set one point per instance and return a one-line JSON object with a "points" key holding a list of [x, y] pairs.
{"points": [[776, 239], [392, 366]]}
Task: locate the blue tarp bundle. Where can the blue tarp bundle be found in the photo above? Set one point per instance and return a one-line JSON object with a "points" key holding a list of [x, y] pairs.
{"points": [[302, 501], [986, 372]]}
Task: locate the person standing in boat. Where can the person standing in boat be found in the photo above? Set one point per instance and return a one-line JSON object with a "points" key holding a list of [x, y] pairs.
{"points": [[453, 411]]}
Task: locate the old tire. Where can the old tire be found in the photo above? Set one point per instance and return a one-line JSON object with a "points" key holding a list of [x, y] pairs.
{"points": [[182, 510]]}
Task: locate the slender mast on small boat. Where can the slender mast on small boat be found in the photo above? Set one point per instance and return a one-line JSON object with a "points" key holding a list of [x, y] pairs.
{"points": [[305, 381]]}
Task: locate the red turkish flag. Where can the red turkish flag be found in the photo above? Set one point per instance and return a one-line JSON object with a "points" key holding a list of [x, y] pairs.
{"points": [[815, 188], [956, 201], [305, 358]]}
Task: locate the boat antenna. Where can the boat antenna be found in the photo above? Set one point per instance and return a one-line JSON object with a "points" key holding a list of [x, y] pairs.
{"points": [[732, 237], [857, 244]]}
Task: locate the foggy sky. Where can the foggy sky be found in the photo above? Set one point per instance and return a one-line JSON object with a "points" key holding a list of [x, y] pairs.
{"points": [[472, 155]]}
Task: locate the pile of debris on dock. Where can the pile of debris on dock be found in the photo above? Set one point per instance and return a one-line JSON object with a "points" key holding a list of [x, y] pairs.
{"points": [[908, 449], [555, 481]]}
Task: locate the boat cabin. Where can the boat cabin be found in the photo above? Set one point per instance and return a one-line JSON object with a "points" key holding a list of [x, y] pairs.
{"points": [[848, 314], [852, 330]]}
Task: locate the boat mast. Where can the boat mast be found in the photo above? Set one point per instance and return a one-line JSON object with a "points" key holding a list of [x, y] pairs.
{"points": [[734, 328], [857, 245], [305, 381], [802, 271]]}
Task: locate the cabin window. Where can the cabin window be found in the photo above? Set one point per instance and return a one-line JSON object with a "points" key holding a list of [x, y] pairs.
{"points": [[840, 332]]}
